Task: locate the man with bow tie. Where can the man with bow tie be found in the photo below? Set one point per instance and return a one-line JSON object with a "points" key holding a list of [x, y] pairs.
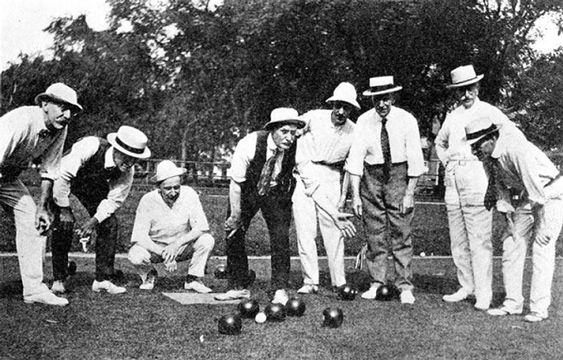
{"points": [[99, 172], [31, 133]]}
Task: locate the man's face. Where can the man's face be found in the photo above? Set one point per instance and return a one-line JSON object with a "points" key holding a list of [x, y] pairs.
{"points": [[123, 161], [340, 112], [466, 95], [58, 114], [382, 104], [483, 149], [169, 189], [284, 136]]}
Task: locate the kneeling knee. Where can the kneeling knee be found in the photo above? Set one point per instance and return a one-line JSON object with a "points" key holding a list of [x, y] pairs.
{"points": [[207, 241]]}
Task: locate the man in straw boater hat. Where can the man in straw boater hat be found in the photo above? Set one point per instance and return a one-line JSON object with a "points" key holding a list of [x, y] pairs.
{"points": [[170, 226], [466, 182], [530, 189], [319, 195], [99, 173], [261, 179], [31, 133], [384, 163]]}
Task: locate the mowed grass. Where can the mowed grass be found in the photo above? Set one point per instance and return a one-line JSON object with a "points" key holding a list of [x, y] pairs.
{"points": [[430, 225], [147, 325]]}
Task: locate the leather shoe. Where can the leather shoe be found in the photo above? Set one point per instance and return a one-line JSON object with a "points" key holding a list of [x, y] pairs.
{"points": [[407, 297], [503, 311], [534, 317], [233, 295], [459, 295], [108, 286], [308, 289], [280, 297], [197, 286], [46, 297], [371, 293]]}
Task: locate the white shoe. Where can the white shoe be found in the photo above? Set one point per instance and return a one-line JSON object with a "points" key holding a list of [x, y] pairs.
{"points": [[308, 289], [197, 286], [371, 293], [280, 297], [108, 286], [481, 306], [233, 295], [503, 311], [46, 297], [534, 317], [148, 281], [58, 287], [459, 295], [407, 297]]}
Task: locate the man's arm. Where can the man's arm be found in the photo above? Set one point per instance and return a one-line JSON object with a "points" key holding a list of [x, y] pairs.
{"points": [[356, 200], [43, 217], [233, 222], [142, 227]]}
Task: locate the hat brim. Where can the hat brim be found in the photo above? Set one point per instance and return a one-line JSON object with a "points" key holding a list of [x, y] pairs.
{"points": [[44, 96], [276, 124], [144, 155], [178, 172], [479, 138], [382, 92], [466, 82], [354, 103]]}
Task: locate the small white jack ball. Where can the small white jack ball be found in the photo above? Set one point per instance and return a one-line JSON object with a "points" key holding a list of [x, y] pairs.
{"points": [[260, 317], [423, 254]]}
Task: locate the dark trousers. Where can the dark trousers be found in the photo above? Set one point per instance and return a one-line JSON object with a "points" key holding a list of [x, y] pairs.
{"points": [[276, 210], [105, 242], [388, 231]]}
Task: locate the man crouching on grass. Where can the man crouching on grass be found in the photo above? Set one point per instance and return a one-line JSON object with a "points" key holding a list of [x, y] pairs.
{"points": [[170, 226]]}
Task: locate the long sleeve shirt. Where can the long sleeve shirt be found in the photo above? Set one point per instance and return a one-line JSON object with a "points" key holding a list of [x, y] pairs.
{"points": [[80, 152], [321, 148], [404, 142], [451, 143], [24, 137], [157, 222]]}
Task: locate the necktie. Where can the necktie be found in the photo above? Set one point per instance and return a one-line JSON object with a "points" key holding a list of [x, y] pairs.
{"points": [[491, 194], [44, 133], [385, 149], [266, 174]]}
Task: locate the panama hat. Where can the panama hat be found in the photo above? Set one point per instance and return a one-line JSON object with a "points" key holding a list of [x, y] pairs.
{"points": [[167, 169], [345, 92], [59, 92], [130, 141], [463, 76], [381, 85], [284, 116], [478, 129]]}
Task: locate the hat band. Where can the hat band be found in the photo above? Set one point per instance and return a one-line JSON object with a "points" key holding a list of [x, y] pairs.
{"points": [[480, 133], [129, 148], [382, 87]]}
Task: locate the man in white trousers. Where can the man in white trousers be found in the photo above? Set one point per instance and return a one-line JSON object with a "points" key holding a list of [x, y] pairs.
{"points": [[30, 133], [530, 189], [470, 219], [317, 199]]}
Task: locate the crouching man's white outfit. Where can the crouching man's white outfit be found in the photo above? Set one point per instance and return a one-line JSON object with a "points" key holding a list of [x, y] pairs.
{"points": [[157, 225]]}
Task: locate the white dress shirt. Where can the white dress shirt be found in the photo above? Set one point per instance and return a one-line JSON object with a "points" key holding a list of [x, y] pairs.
{"points": [[80, 153], [21, 142], [404, 141], [244, 154]]}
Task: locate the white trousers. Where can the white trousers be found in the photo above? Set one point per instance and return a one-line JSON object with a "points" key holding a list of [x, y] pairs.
{"points": [[470, 227], [29, 244], [526, 222], [306, 216], [199, 251]]}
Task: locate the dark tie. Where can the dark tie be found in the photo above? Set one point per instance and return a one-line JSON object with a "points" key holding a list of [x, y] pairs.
{"points": [[44, 133], [266, 174], [385, 149], [491, 194]]}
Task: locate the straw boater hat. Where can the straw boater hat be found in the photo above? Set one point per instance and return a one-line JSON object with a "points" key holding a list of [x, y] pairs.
{"points": [[284, 116], [59, 92], [345, 92], [381, 85], [167, 169], [463, 76], [130, 141], [478, 129]]}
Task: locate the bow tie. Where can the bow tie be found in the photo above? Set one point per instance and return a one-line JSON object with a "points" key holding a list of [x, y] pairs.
{"points": [[44, 133]]}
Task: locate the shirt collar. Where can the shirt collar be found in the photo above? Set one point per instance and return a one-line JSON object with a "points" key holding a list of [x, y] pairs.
{"points": [[499, 147], [108, 158]]}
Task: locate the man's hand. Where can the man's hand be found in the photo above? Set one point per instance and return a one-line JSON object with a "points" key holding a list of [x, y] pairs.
{"points": [[542, 239], [170, 252], [171, 266], [341, 204], [66, 219], [357, 206], [88, 228], [343, 223], [43, 220], [232, 224], [408, 204]]}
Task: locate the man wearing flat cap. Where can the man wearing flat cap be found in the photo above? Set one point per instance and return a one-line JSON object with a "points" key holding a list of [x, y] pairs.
{"points": [[170, 226], [530, 189], [466, 182], [99, 172], [261, 179], [30, 133], [319, 194], [384, 163]]}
